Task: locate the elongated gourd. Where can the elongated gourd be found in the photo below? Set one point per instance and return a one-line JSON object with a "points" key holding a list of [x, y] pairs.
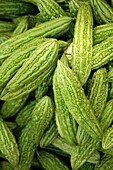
{"points": [[49, 135], [95, 157], [52, 28], [33, 131], [33, 72], [110, 94], [10, 108], [41, 117], [11, 125], [73, 149], [4, 37], [65, 60], [102, 53], [107, 141], [82, 43], [74, 5], [6, 26], [22, 26], [76, 101], [99, 91], [103, 12], [106, 117], [83, 154], [97, 96], [11, 64], [50, 161], [107, 151], [66, 124], [42, 89], [24, 115], [14, 9], [26, 148], [102, 32], [110, 75], [65, 146], [50, 9], [81, 136], [8, 145], [105, 163]]}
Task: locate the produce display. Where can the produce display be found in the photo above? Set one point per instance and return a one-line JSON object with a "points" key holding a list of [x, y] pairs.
{"points": [[56, 85]]}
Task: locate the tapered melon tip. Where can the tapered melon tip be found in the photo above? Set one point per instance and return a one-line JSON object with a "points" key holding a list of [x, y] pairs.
{"points": [[61, 66], [46, 98], [59, 63], [2, 95], [53, 42], [104, 145]]}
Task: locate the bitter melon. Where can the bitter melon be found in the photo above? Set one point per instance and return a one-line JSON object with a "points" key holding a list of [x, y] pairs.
{"points": [[103, 12], [107, 151], [102, 53], [26, 148], [65, 60], [10, 10], [66, 124], [6, 26], [76, 101], [50, 161], [52, 28], [10, 108], [97, 96], [41, 117], [42, 89], [50, 9], [11, 65], [106, 163], [22, 26], [110, 75], [24, 115], [99, 91], [11, 125], [8, 145], [81, 136], [102, 32], [4, 37], [49, 135], [106, 117], [82, 43], [83, 153], [33, 131], [63, 145], [95, 157], [107, 141], [74, 5], [33, 72]]}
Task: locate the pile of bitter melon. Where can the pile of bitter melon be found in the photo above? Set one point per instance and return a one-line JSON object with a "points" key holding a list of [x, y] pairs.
{"points": [[56, 85]]}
